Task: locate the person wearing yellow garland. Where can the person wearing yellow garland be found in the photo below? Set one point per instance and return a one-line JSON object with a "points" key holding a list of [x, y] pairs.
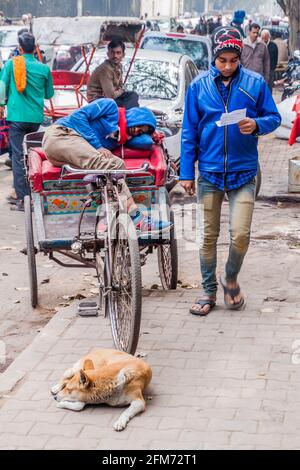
{"points": [[25, 83]]}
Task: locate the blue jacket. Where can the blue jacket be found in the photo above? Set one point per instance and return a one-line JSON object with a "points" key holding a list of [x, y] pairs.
{"points": [[224, 149], [97, 120]]}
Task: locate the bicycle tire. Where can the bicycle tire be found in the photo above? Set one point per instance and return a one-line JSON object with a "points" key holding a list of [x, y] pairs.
{"points": [[258, 181], [30, 252], [126, 287], [167, 257]]}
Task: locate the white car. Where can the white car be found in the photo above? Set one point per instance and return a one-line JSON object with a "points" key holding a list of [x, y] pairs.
{"points": [[287, 116], [8, 40], [161, 81], [197, 47]]}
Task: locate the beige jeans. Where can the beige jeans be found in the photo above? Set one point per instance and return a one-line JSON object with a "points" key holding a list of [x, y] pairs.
{"points": [[64, 146], [241, 205]]}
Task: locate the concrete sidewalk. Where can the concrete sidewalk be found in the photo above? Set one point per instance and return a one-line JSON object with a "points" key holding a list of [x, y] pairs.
{"points": [[274, 162], [230, 380]]}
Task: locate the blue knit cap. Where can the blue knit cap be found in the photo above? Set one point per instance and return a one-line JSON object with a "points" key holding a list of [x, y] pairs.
{"points": [[239, 16]]}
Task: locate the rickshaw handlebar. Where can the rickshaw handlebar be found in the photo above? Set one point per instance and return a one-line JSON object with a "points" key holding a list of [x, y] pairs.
{"points": [[69, 169]]}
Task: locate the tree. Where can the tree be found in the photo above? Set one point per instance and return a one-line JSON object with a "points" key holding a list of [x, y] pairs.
{"points": [[291, 9]]}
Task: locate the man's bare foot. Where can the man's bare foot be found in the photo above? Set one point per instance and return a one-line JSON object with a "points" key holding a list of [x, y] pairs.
{"points": [[237, 298], [203, 305]]}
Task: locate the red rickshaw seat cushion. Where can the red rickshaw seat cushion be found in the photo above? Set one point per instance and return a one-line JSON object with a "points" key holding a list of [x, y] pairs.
{"points": [[41, 169]]}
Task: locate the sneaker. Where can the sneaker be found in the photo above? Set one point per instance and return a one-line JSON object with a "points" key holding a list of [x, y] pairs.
{"points": [[148, 225]]}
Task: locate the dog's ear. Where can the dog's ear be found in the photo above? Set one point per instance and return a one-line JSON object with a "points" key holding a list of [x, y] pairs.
{"points": [[88, 365], [84, 380]]}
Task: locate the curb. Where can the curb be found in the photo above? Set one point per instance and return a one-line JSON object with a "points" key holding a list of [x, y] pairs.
{"points": [[34, 353]]}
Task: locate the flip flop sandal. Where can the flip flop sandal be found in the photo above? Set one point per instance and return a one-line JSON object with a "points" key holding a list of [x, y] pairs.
{"points": [[233, 293], [19, 206], [202, 303]]}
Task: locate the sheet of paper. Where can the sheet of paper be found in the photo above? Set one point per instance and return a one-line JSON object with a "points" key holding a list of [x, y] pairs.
{"points": [[232, 118]]}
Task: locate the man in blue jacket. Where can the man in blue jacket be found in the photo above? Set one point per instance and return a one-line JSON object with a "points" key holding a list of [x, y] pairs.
{"points": [[227, 159], [85, 138]]}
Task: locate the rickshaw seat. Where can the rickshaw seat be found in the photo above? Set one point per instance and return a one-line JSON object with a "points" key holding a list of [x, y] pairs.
{"points": [[67, 77], [41, 169]]}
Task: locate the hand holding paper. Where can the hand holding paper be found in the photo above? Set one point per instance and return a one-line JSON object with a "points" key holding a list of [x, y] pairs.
{"points": [[247, 126]]}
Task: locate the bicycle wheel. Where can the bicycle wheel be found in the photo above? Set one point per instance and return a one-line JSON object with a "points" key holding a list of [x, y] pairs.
{"points": [[167, 255], [258, 181], [124, 298], [30, 252]]}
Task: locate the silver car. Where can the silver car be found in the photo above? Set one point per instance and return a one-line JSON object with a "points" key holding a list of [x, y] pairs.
{"points": [[161, 81], [197, 47], [8, 40]]}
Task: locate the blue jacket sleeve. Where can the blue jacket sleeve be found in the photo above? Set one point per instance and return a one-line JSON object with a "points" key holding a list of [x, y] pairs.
{"points": [[190, 137], [82, 118], [268, 116]]}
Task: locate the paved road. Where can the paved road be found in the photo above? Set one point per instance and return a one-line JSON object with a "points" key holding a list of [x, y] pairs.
{"points": [[230, 380]]}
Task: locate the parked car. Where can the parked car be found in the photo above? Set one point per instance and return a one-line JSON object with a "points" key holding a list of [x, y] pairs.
{"points": [[160, 81], [197, 47], [8, 40], [287, 118]]}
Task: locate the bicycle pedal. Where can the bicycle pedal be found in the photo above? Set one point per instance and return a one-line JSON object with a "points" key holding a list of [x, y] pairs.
{"points": [[88, 309]]}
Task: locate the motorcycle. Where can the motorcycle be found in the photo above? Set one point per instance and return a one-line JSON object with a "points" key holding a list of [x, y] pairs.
{"points": [[291, 77]]}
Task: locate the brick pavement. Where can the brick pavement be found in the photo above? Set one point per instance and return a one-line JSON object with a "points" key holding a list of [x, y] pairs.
{"points": [[227, 381], [274, 161]]}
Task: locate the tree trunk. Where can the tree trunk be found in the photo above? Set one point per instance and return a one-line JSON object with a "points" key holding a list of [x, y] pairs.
{"points": [[294, 32], [291, 8]]}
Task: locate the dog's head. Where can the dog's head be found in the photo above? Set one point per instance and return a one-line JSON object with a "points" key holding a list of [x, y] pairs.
{"points": [[78, 388]]}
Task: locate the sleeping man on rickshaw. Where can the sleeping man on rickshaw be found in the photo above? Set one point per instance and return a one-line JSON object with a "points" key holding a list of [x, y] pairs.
{"points": [[85, 139]]}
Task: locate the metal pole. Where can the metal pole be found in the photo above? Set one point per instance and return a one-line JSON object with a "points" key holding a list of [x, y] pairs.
{"points": [[79, 7]]}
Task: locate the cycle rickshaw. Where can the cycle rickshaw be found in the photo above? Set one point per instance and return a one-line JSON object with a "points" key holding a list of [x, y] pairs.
{"points": [[69, 207]]}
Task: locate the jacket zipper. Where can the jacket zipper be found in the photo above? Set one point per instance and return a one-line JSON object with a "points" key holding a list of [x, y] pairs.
{"points": [[225, 109], [225, 127], [241, 89]]}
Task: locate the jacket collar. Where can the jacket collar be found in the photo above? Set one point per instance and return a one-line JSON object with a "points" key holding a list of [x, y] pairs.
{"points": [[29, 56], [216, 73]]}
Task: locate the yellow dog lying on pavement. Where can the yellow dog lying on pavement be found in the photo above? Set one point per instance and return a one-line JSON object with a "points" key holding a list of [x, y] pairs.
{"points": [[105, 376]]}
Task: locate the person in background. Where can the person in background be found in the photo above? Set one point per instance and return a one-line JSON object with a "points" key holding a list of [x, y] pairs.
{"points": [[86, 138], [273, 53], [283, 50], [4, 20], [106, 80], [255, 55], [238, 20], [16, 51], [24, 85], [149, 26], [180, 29]]}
